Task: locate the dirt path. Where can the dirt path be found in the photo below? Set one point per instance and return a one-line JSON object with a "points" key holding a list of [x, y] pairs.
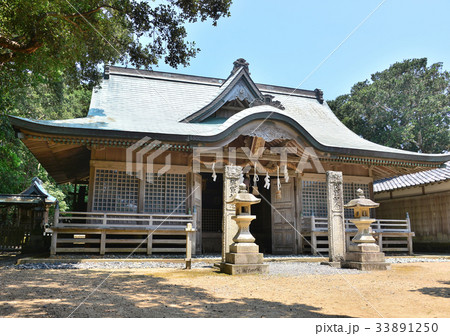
{"points": [[407, 290]]}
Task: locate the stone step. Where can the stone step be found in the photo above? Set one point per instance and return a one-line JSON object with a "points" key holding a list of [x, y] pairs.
{"points": [[366, 266], [365, 256], [244, 258], [234, 269]]}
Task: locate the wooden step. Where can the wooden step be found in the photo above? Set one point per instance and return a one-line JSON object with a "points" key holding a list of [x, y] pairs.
{"points": [[80, 249], [168, 249], [122, 241], [124, 249], [169, 241], [78, 240]]}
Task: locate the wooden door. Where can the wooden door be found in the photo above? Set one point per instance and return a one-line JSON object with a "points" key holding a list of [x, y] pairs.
{"points": [[283, 219]]}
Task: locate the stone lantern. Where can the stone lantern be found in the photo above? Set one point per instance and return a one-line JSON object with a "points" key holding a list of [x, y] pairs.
{"points": [[361, 209], [363, 252], [244, 256]]}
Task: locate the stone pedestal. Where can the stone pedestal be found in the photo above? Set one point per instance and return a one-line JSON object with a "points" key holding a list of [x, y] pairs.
{"points": [[243, 258], [365, 257], [363, 253]]}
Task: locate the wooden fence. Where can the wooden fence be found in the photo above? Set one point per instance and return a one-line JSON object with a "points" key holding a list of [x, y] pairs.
{"points": [[15, 228], [392, 235]]}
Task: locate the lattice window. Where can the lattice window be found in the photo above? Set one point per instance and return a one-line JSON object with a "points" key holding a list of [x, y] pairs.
{"points": [[314, 197], [115, 191], [165, 193], [212, 220], [348, 196]]}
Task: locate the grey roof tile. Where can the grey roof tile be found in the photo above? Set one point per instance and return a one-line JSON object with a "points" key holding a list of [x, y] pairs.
{"points": [[412, 180], [157, 102]]}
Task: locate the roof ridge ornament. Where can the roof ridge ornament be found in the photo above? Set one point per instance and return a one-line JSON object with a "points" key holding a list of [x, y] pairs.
{"points": [[319, 95], [106, 71], [267, 99], [240, 63]]}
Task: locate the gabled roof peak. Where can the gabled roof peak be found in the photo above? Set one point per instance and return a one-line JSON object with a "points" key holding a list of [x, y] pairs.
{"points": [[238, 86], [240, 63]]}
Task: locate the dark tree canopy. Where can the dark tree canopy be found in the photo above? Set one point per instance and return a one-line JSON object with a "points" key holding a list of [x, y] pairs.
{"points": [[51, 52], [44, 101], [49, 38], [406, 106]]}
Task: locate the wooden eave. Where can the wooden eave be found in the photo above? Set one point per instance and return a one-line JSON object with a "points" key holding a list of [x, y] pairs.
{"points": [[66, 157], [64, 162], [96, 142], [125, 138]]}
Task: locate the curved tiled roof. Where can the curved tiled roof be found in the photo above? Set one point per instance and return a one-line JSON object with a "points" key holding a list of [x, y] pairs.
{"points": [[133, 104], [412, 180]]}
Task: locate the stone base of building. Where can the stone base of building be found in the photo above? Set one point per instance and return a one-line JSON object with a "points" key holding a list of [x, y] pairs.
{"points": [[365, 257]]}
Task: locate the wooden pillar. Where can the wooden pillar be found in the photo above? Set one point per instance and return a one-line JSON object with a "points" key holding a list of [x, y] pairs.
{"points": [[410, 244], [314, 243], [189, 234], [53, 243], [91, 187], [149, 243], [410, 240], [298, 212], [54, 240], [102, 242]]}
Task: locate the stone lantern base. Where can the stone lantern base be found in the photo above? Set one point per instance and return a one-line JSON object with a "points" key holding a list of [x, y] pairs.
{"points": [[365, 257], [243, 258]]}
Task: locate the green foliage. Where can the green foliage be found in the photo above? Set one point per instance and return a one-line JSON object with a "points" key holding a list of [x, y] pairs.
{"points": [[12, 177], [54, 38], [59, 192], [406, 106], [51, 53], [47, 100]]}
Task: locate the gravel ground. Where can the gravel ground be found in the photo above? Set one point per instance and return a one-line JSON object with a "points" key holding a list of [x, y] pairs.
{"points": [[302, 268], [128, 256], [165, 256], [108, 265], [286, 268], [275, 268], [399, 260], [149, 288]]}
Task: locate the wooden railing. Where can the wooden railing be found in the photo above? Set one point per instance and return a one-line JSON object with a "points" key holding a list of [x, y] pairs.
{"points": [[379, 225], [392, 235], [122, 232], [121, 220]]}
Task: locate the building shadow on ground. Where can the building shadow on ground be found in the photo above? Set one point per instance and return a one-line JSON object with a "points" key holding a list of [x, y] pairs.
{"points": [[57, 293]]}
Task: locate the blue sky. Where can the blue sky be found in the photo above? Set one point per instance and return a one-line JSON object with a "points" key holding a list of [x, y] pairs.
{"points": [[285, 40]]}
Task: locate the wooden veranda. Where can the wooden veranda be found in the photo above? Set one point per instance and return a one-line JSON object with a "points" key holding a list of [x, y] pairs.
{"points": [[100, 232]]}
